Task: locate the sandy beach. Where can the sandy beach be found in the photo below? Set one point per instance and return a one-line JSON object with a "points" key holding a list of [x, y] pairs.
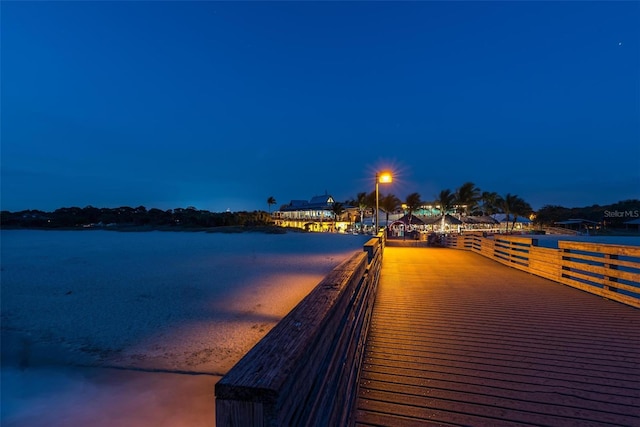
{"points": [[105, 328]]}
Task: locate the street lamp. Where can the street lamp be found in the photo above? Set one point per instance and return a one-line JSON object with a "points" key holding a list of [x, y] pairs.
{"points": [[385, 178]]}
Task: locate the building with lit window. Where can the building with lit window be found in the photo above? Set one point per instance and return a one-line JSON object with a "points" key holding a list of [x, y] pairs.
{"points": [[316, 214]]}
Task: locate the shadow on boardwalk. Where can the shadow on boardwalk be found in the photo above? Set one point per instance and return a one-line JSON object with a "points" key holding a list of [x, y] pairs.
{"points": [[457, 339]]}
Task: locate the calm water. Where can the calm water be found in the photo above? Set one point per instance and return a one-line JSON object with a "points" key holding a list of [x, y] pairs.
{"points": [[154, 305]]}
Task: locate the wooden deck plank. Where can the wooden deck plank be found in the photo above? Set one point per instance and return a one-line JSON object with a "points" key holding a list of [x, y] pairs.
{"points": [[540, 392], [527, 365], [622, 358], [469, 411], [390, 414], [531, 380], [457, 339]]}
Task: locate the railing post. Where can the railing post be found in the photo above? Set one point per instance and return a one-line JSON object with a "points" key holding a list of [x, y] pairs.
{"points": [[607, 278], [563, 258], [370, 250]]}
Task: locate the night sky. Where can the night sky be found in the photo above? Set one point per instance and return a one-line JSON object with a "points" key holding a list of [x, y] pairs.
{"points": [[220, 105]]}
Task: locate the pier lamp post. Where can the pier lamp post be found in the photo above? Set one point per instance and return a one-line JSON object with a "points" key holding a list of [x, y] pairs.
{"points": [[385, 178]]}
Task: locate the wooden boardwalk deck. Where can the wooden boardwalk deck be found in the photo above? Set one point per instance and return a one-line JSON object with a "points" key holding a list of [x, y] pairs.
{"points": [[458, 339]]}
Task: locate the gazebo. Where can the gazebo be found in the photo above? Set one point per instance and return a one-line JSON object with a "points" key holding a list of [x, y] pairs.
{"points": [[480, 222], [520, 223], [449, 220], [404, 224]]}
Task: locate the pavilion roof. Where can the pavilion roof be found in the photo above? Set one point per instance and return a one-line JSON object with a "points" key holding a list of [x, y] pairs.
{"points": [[414, 220], [448, 219]]}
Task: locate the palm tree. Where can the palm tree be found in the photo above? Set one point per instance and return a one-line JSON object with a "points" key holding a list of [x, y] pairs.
{"points": [[446, 200], [504, 204], [390, 203], [370, 201], [489, 202], [467, 195], [361, 202], [521, 208], [337, 209], [514, 205], [413, 202], [271, 201]]}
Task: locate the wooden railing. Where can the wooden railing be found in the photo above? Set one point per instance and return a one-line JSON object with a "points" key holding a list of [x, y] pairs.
{"points": [[611, 271], [513, 251], [305, 370]]}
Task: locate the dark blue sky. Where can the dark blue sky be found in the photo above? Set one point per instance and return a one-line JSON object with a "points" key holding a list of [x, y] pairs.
{"points": [[220, 105]]}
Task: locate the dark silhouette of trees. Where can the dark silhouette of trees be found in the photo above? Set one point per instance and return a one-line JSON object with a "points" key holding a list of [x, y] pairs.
{"points": [[611, 216], [467, 196], [271, 201], [489, 200], [337, 209], [614, 215], [514, 206], [413, 202], [389, 204], [127, 217], [446, 200], [362, 202]]}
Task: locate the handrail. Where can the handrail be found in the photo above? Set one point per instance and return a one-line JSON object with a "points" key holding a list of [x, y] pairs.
{"points": [[611, 271], [306, 369], [513, 251]]}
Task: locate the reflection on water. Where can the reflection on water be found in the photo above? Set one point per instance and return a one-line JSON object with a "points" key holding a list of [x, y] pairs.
{"points": [[97, 397]]}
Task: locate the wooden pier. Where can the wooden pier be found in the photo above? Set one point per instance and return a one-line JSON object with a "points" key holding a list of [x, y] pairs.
{"points": [[460, 339]]}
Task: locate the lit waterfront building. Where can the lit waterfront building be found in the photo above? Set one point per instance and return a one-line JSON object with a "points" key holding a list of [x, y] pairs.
{"points": [[316, 214]]}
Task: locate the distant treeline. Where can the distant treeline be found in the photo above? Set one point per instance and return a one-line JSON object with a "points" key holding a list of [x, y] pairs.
{"points": [[75, 217], [611, 216]]}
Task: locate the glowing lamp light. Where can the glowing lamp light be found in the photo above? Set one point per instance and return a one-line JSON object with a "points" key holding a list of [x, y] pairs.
{"points": [[385, 178]]}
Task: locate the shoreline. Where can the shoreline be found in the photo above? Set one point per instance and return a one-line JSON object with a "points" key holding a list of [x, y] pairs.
{"points": [[267, 229], [109, 329]]}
